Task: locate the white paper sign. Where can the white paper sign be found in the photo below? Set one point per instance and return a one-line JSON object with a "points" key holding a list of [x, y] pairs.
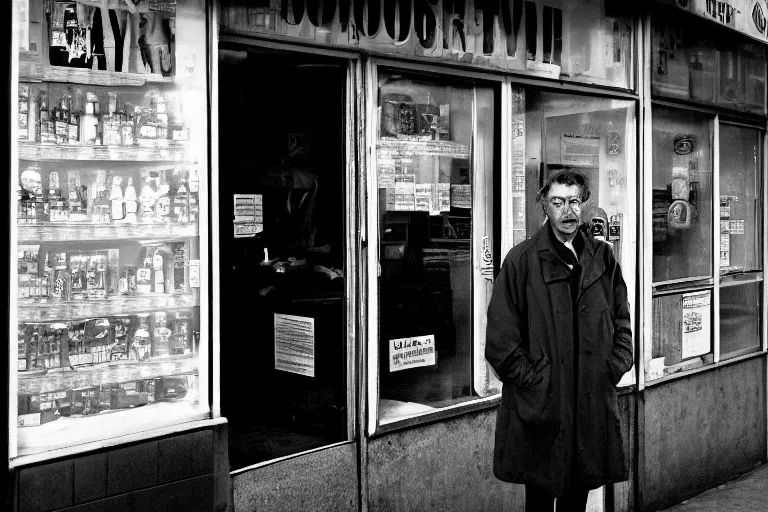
{"points": [[580, 150], [295, 344], [696, 324], [405, 353], [248, 215]]}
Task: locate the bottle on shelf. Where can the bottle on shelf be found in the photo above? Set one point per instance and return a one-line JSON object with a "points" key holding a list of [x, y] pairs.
{"points": [[161, 118], [116, 199], [46, 123], [62, 120], [89, 121], [163, 203], [147, 201], [144, 275], [127, 125], [56, 207], [111, 123], [158, 271], [77, 198], [181, 201], [131, 203], [100, 205]]}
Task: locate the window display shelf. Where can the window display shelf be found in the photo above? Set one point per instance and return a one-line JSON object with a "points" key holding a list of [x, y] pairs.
{"points": [[63, 232], [425, 148], [36, 151], [30, 311], [117, 372], [35, 71]]}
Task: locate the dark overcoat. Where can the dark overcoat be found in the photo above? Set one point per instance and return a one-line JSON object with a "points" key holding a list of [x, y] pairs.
{"points": [[558, 415]]}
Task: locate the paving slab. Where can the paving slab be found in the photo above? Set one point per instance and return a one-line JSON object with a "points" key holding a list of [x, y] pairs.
{"points": [[748, 493]]}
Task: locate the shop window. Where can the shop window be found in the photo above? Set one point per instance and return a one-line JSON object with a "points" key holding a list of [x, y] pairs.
{"points": [[593, 136], [435, 162], [682, 196], [689, 63], [741, 228], [284, 268], [702, 299]]}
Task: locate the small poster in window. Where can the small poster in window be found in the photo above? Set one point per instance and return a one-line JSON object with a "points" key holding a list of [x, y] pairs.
{"points": [[737, 227], [248, 215], [580, 150], [461, 196], [405, 353], [444, 197], [295, 344], [423, 197], [696, 324]]}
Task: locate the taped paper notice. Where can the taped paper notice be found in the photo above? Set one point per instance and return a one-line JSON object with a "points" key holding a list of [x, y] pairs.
{"points": [[737, 227], [28, 420], [696, 324], [580, 150], [405, 353], [248, 215], [295, 344]]}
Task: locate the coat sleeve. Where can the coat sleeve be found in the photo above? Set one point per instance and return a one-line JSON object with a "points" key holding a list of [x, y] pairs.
{"points": [[504, 346], [621, 354]]}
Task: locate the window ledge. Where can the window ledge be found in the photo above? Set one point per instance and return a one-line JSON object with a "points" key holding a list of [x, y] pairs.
{"points": [[439, 414], [114, 442], [705, 368]]}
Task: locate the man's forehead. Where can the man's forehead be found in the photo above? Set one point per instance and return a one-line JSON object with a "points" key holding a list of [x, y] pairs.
{"points": [[563, 190]]}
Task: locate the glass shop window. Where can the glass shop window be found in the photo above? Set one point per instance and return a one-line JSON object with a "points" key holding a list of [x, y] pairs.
{"points": [[695, 60], [741, 241], [434, 155], [682, 196], [692, 286], [283, 274], [683, 239], [593, 136]]}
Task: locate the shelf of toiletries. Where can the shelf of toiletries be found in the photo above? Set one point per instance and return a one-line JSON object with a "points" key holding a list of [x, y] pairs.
{"points": [[62, 232], [38, 152], [32, 311], [38, 72]]}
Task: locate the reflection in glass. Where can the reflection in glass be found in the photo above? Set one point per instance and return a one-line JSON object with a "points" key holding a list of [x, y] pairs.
{"points": [[682, 195], [427, 194], [740, 318], [741, 223]]}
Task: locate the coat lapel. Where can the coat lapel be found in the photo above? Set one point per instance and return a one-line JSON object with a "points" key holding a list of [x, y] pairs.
{"points": [[592, 262]]}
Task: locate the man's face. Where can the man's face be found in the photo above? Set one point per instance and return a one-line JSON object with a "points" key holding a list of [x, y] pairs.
{"points": [[563, 208]]}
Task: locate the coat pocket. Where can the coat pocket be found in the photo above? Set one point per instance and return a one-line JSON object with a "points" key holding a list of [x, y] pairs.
{"points": [[534, 404]]}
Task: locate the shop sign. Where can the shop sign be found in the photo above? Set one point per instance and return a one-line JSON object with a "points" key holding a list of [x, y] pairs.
{"points": [[745, 16], [513, 34]]}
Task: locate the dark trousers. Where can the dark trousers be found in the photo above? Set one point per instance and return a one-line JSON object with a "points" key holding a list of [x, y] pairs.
{"points": [[540, 500]]}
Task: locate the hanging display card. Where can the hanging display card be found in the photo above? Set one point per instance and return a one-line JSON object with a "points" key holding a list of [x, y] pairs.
{"points": [[580, 150], [444, 197], [194, 273], [461, 196], [405, 353], [696, 324], [295, 344], [248, 215], [737, 227], [423, 197], [725, 250]]}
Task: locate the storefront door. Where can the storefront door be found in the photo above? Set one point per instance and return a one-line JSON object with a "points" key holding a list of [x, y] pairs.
{"points": [[287, 269]]}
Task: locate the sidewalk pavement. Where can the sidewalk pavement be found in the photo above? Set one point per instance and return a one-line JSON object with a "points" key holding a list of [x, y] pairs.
{"points": [[748, 493]]}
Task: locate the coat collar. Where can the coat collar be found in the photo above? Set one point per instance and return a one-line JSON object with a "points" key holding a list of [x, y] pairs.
{"points": [[554, 268]]}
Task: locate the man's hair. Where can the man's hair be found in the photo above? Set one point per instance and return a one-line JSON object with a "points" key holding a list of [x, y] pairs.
{"points": [[566, 177]]}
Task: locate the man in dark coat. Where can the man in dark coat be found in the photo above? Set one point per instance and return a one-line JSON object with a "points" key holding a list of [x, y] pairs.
{"points": [[559, 337]]}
